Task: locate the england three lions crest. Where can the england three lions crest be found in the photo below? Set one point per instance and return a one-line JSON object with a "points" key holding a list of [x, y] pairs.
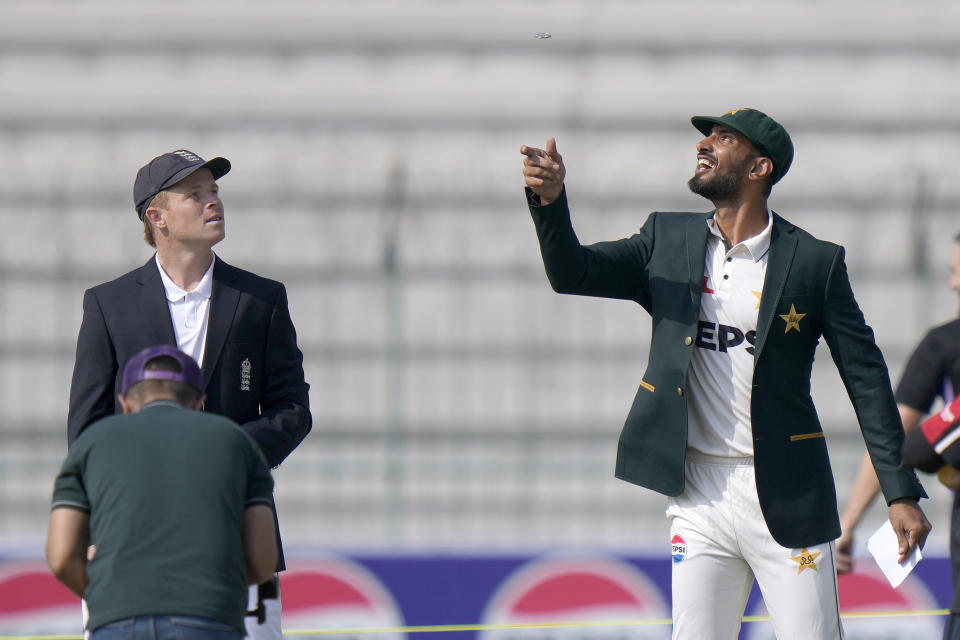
{"points": [[245, 368]]}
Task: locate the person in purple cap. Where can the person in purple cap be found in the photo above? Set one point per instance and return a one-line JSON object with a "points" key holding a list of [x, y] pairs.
{"points": [[177, 505], [235, 324], [723, 421]]}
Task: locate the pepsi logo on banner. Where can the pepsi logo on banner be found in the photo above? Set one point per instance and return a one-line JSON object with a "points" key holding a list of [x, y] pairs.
{"points": [[585, 588], [33, 602], [335, 593], [868, 591]]}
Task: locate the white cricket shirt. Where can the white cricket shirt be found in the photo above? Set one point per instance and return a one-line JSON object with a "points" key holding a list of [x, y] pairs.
{"points": [[190, 311], [720, 379]]}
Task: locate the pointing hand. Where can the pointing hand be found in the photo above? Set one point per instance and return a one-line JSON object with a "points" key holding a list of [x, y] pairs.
{"points": [[543, 171]]}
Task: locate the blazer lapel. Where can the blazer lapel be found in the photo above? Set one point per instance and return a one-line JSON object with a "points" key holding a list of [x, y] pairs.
{"points": [[783, 246], [223, 305], [152, 300], [697, 232]]}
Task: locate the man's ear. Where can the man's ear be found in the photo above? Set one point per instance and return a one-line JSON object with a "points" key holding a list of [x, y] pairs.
{"points": [[762, 168], [155, 216], [126, 404]]}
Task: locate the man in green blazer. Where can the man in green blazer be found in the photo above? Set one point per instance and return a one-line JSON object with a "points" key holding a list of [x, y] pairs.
{"points": [[723, 421]]}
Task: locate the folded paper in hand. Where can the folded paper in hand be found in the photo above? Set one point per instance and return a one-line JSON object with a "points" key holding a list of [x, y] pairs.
{"points": [[886, 551]]}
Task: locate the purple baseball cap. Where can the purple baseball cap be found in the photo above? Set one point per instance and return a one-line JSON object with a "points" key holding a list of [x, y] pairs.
{"points": [[167, 170], [133, 371]]}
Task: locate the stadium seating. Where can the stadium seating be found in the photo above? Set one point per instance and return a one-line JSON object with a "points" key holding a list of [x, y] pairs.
{"points": [[458, 402]]}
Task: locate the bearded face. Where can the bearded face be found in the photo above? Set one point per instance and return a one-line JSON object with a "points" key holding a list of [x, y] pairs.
{"points": [[718, 182]]}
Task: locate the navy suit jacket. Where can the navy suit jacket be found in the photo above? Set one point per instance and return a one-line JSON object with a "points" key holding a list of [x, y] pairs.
{"points": [[252, 367], [661, 269]]}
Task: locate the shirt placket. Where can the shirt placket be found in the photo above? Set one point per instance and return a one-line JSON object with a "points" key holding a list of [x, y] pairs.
{"points": [[190, 317], [725, 272]]}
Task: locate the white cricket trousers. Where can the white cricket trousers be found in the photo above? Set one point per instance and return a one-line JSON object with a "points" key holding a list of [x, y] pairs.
{"points": [[721, 543]]}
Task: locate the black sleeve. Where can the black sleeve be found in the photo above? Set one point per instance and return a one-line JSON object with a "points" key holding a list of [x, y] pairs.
{"points": [[923, 375], [285, 418], [864, 374], [94, 371], [611, 269]]}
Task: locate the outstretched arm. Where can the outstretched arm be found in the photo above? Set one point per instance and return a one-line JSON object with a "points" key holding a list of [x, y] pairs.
{"points": [[614, 269]]}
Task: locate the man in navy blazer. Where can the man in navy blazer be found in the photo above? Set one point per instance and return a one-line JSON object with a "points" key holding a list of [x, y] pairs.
{"points": [[234, 323], [723, 421]]}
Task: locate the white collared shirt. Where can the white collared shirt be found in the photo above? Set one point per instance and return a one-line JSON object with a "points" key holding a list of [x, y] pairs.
{"points": [[190, 311], [720, 379]]}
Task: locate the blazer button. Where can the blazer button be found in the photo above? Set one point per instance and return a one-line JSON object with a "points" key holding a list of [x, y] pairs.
{"points": [[679, 391], [688, 341]]}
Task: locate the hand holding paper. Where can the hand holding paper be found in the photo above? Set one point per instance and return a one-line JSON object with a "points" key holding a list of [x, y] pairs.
{"points": [[886, 551]]}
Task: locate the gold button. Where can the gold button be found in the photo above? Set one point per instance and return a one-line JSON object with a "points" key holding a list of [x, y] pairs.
{"points": [[688, 341], [679, 391]]}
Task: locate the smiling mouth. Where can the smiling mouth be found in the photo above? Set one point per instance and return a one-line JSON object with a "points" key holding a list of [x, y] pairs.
{"points": [[704, 164], [214, 219]]}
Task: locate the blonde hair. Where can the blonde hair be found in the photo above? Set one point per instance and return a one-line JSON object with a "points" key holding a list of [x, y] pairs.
{"points": [[160, 202]]}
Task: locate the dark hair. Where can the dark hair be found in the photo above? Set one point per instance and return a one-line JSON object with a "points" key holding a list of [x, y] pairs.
{"points": [[184, 394]]}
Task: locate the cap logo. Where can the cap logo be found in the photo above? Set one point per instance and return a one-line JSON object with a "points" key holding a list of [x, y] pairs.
{"points": [[734, 112], [186, 155]]}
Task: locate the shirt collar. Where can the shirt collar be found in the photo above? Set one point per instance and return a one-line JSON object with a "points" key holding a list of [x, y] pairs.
{"points": [[173, 290], [756, 246]]}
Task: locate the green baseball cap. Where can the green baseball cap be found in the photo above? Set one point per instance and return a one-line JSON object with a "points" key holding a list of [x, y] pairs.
{"points": [[765, 133]]}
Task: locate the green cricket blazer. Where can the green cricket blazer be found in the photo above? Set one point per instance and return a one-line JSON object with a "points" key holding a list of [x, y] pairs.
{"points": [[806, 286]]}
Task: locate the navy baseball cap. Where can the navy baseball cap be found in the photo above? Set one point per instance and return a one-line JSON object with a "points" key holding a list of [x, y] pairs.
{"points": [[169, 169], [133, 371], [763, 132]]}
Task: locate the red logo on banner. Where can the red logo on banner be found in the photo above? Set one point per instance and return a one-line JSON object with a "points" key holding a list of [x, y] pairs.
{"points": [[867, 591], [335, 593], [581, 588], [33, 602]]}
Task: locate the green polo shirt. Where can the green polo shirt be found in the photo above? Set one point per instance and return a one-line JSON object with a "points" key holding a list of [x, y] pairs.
{"points": [[166, 489]]}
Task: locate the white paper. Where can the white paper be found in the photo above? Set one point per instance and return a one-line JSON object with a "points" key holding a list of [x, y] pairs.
{"points": [[885, 548]]}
